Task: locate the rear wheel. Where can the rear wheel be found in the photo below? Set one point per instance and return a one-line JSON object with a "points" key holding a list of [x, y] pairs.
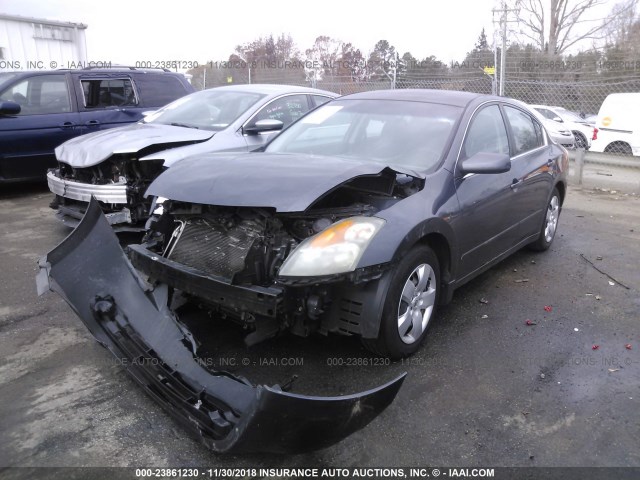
{"points": [[619, 148], [410, 305], [550, 225]]}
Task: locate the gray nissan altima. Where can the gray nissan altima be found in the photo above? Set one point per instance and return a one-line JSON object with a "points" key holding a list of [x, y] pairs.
{"points": [[359, 219]]}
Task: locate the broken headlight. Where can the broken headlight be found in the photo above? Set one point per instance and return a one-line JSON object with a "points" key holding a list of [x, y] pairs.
{"points": [[336, 249]]}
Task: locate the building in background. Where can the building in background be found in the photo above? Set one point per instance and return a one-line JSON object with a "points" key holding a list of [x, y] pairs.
{"points": [[32, 44]]}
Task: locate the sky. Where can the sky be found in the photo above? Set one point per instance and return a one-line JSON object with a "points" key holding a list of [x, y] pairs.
{"points": [[126, 31]]}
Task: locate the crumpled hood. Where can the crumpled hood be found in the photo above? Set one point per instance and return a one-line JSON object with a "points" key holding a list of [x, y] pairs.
{"points": [[91, 149], [286, 182]]}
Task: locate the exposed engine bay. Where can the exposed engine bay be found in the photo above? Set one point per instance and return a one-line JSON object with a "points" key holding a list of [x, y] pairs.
{"points": [[132, 319], [246, 246], [120, 169], [117, 169]]}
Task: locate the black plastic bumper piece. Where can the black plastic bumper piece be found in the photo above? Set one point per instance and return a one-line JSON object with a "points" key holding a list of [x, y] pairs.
{"points": [[226, 413]]}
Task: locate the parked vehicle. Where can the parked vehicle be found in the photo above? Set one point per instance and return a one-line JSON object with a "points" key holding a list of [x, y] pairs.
{"points": [[360, 219], [117, 166], [39, 110], [558, 133], [618, 125], [581, 130], [588, 118]]}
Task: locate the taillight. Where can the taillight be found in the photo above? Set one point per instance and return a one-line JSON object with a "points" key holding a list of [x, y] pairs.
{"points": [[595, 134]]}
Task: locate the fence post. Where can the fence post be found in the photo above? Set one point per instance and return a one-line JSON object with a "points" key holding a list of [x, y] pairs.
{"points": [[580, 153]]}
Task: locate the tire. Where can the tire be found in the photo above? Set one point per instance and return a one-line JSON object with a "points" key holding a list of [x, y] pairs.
{"points": [[619, 148], [581, 140], [550, 223], [419, 268]]}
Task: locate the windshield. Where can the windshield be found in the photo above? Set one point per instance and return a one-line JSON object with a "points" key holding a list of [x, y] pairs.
{"points": [[409, 135], [568, 116], [207, 110]]}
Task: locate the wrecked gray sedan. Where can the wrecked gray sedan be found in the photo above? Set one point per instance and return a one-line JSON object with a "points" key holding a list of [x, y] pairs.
{"points": [[116, 166], [360, 219]]}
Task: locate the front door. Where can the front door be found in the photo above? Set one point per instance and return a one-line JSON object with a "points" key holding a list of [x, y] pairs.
{"points": [[488, 224], [46, 119]]}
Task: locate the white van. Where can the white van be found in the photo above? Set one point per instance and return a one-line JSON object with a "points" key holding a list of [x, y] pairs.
{"points": [[618, 125]]}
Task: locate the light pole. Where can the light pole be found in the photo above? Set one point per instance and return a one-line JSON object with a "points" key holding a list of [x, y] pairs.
{"points": [[503, 25]]}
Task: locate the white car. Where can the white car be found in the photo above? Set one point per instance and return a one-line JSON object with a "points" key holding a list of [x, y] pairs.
{"points": [[618, 126], [558, 133], [116, 166], [581, 130]]}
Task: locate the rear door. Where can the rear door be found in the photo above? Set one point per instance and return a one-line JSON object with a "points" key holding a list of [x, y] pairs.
{"points": [[47, 119], [532, 160]]}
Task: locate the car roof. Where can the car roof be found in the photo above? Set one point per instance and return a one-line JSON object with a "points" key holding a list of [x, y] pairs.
{"points": [[446, 97], [273, 89], [132, 70], [550, 107]]}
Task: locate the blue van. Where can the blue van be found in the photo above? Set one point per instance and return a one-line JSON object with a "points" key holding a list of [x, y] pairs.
{"points": [[39, 110]]}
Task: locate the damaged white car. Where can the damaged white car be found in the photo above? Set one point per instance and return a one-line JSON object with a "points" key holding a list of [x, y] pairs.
{"points": [[116, 166]]}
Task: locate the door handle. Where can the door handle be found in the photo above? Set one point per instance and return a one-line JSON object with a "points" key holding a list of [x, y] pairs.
{"points": [[515, 183], [68, 125], [92, 123]]}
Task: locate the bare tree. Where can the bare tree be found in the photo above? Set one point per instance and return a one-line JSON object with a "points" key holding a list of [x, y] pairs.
{"points": [[322, 58], [560, 24], [622, 29]]}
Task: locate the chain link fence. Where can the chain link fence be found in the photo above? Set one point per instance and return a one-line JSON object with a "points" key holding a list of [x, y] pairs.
{"points": [[581, 91]]}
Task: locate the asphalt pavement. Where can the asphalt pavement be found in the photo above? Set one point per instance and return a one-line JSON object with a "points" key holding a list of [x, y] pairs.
{"points": [[486, 388]]}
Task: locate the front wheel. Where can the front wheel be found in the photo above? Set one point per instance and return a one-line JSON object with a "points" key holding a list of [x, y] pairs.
{"points": [[550, 225], [581, 140], [410, 305]]}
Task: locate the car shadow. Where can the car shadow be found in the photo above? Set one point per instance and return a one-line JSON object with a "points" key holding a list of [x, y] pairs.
{"points": [[23, 189], [333, 364]]}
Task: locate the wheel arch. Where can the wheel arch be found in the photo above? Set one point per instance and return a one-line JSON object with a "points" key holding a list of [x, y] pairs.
{"points": [[562, 190], [440, 246], [437, 234], [614, 145]]}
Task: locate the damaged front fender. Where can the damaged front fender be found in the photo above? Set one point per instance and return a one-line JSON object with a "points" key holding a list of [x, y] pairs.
{"points": [[225, 412]]}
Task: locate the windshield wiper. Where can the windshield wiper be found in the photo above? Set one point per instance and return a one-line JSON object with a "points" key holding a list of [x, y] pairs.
{"points": [[176, 124]]}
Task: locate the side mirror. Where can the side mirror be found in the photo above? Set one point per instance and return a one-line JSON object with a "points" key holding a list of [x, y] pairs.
{"points": [[557, 119], [266, 125], [484, 162], [9, 108]]}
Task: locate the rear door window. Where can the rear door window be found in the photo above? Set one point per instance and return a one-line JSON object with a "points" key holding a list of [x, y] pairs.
{"points": [[523, 128], [108, 92], [286, 109], [319, 100]]}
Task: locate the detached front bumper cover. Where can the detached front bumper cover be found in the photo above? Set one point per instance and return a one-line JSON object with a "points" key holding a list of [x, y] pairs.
{"points": [[224, 412]]}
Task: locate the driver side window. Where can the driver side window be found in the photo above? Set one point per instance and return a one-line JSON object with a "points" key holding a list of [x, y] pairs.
{"points": [[43, 94], [487, 133]]}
